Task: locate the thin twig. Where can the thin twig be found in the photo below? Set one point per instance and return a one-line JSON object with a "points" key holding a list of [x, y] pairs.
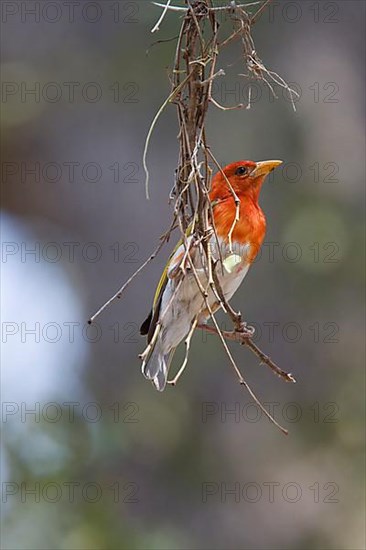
{"points": [[258, 13], [166, 7], [245, 339], [239, 106], [119, 292], [241, 379], [218, 8], [150, 131], [184, 364]]}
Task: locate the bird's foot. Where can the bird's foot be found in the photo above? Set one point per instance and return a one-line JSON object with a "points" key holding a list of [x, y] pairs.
{"points": [[245, 330]]}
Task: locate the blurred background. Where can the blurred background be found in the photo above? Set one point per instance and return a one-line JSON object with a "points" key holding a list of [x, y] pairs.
{"points": [[92, 456]]}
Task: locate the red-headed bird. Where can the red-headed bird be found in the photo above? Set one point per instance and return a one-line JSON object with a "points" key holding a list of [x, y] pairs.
{"points": [[179, 303]]}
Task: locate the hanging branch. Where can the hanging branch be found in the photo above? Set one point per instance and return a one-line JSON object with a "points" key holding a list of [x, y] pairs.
{"points": [[194, 72], [195, 69]]}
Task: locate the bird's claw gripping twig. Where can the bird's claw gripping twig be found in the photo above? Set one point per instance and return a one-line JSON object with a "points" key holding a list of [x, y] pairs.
{"points": [[245, 330]]}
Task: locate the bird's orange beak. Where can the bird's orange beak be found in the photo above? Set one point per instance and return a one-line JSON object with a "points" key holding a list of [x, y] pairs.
{"points": [[264, 167]]}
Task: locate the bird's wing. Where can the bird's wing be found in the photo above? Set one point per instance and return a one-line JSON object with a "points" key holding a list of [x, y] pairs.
{"points": [[148, 326]]}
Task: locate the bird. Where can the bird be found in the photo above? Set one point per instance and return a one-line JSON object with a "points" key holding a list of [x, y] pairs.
{"points": [[239, 230]]}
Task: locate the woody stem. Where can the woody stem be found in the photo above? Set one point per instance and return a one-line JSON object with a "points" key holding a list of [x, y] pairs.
{"points": [[244, 337]]}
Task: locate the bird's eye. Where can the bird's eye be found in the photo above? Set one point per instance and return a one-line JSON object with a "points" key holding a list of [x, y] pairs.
{"points": [[241, 171]]}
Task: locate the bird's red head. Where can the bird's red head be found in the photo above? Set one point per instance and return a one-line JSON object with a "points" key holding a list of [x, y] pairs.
{"points": [[245, 177]]}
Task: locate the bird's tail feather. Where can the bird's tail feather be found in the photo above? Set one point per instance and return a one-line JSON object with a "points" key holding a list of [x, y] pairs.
{"points": [[156, 366]]}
